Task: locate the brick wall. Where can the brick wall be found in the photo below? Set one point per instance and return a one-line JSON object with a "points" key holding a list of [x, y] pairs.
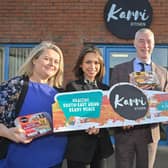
{"points": [[69, 23]]}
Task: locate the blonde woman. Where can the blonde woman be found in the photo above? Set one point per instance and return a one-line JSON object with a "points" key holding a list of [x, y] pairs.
{"points": [[33, 91]]}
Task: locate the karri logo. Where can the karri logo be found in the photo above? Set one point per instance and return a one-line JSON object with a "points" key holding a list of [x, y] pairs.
{"points": [[124, 17], [128, 101]]}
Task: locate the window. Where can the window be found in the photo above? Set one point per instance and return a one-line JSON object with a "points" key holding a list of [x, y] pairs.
{"points": [[12, 56], [17, 57], [116, 54], [1, 64]]}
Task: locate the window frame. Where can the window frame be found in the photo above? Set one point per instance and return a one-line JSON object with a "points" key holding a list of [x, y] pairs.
{"points": [[119, 47], [6, 48]]}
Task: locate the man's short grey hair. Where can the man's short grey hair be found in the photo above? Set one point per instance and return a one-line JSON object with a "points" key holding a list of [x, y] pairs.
{"points": [[143, 30]]}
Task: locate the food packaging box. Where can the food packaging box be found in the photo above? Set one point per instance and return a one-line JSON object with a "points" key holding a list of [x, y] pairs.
{"points": [[35, 125]]}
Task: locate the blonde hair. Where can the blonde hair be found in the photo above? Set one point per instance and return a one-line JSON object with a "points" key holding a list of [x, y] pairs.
{"points": [[27, 67]]}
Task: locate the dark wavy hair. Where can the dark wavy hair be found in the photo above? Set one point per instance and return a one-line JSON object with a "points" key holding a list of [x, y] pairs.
{"points": [[89, 49]]}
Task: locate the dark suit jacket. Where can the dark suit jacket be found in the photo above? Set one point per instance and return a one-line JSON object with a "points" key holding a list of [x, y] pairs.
{"points": [[121, 74], [81, 146]]}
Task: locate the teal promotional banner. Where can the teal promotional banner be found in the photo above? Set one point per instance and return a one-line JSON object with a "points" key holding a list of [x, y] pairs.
{"points": [[81, 104], [123, 104]]}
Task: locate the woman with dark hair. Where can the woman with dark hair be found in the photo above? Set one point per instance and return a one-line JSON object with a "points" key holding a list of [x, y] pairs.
{"points": [[91, 146]]}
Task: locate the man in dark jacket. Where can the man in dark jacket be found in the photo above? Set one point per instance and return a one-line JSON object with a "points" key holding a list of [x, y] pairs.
{"points": [[139, 140]]}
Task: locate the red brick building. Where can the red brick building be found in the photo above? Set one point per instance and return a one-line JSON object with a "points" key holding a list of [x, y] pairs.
{"points": [[70, 23]]}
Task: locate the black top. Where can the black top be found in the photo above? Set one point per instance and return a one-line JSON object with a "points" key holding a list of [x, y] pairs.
{"points": [[81, 146]]}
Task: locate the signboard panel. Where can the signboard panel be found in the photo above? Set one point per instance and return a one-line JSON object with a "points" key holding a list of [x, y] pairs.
{"points": [[123, 104]]}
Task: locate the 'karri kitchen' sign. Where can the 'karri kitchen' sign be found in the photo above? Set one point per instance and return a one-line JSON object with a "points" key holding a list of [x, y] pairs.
{"points": [[124, 17], [131, 106]]}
